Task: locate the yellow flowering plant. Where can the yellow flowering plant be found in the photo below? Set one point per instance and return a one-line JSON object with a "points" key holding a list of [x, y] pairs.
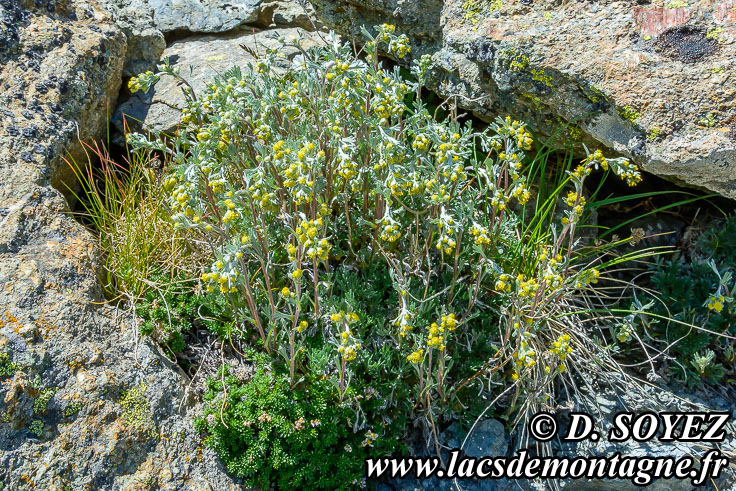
{"points": [[359, 238]]}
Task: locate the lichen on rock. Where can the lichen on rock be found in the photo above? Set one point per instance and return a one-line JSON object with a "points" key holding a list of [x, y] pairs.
{"points": [[588, 63]]}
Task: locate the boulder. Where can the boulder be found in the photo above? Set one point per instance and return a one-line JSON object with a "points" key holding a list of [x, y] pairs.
{"points": [[185, 15], [292, 13], [145, 42], [146, 22], [653, 82], [487, 439], [84, 403], [200, 59], [603, 400]]}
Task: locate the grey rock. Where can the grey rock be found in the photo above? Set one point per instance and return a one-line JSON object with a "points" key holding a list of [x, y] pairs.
{"points": [[488, 439], [145, 42], [64, 420], [603, 402], [185, 15], [146, 22], [420, 20], [203, 15], [288, 13], [200, 60], [653, 83]]}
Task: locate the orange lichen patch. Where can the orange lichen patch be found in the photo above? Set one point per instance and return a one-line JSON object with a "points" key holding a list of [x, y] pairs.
{"points": [[78, 248], [27, 481], [9, 320], [45, 325], [654, 21]]}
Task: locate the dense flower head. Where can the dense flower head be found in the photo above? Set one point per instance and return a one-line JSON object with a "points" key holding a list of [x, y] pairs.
{"points": [[716, 302]]}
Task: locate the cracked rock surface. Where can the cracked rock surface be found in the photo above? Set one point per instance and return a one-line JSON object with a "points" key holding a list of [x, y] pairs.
{"points": [[84, 404], [648, 80], [147, 22]]}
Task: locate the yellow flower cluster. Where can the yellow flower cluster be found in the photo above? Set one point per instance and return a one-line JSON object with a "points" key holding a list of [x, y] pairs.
{"points": [[597, 158], [448, 322], [572, 198], [306, 234], [262, 132], [403, 321], [582, 171], [348, 351], [390, 231], [438, 192], [624, 332], [577, 202], [221, 277], [480, 234], [561, 348], [291, 250], [350, 317], [389, 99], [421, 142], [521, 135], [347, 168], [446, 242], [280, 150], [142, 82], [436, 333], [267, 200], [302, 326], [435, 339], [181, 200], [521, 193], [527, 288], [416, 356], [622, 167], [525, 356], [231, 214], [586, 277], [630, 172], [400, 46], [504, 283], [448, 151], [397, 45], [499, 200], [349, 346], [716, 302]]}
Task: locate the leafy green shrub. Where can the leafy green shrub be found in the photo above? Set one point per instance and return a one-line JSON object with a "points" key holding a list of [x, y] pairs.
{"points": [[269, 434], [370, 247], [168, 311], [693, 306]]}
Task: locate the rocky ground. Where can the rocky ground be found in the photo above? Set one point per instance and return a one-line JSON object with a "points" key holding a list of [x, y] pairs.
{"points": [[85, 403]]}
